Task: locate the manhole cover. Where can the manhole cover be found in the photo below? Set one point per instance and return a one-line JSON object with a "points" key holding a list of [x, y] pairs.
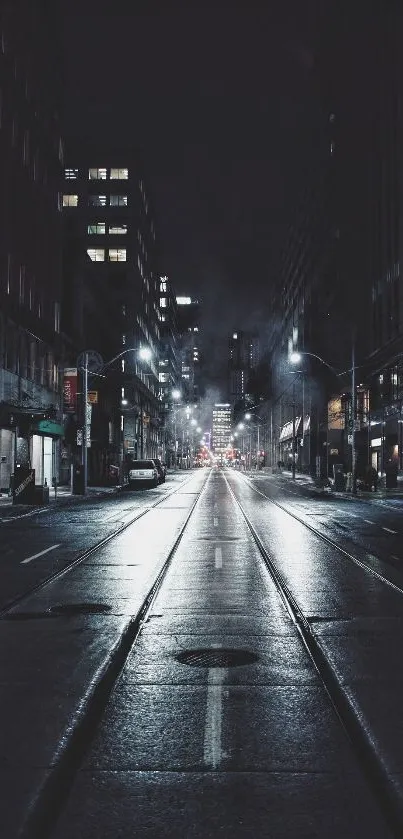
{"points": [[216, 658], [218, 538], [80, 609]]}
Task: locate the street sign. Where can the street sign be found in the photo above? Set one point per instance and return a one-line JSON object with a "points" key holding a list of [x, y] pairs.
{"points": [[93, 397], [95, 361]]}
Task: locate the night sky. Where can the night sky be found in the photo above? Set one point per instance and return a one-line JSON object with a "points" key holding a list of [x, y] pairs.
{"points": [[219, 100]]}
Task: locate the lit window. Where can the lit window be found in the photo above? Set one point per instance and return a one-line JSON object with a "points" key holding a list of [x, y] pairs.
{"points": [[70, 200], [381, 378], [119, 174], [97, 200], [118, 200], [163, 302], [235, 336], [99, 228], [97, 174], [163, 286], [71, 174], [96, 254], [117, 229], [117, 255]]}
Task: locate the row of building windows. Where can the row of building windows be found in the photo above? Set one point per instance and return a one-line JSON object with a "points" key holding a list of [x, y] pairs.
{"points": [[70, 200], [19, 282], [113, 229], [27, 358], [101, 174], [112, 254]]}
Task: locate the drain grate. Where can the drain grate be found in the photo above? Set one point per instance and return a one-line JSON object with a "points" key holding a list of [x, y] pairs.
{"points": [[79, 609], [216, 657]]}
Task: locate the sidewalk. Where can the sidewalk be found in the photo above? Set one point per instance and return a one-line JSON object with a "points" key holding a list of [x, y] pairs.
{"points": [[319, 484], [63, 494]]}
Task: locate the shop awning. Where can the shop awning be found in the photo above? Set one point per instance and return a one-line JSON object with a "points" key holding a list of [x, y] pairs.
{"points": [[47, 427]]}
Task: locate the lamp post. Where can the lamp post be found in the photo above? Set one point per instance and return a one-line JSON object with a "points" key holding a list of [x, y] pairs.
{"points": [[176, 394], [145, 354], [295, 358]]}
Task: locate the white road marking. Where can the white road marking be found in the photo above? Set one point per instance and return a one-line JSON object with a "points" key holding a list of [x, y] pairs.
{"points": [[41, 553], [213, 753], [215, 522], [218, 557], [368, 521], [388, 530], [392, 556]]}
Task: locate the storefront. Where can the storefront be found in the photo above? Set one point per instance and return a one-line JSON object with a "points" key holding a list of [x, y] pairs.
{"points": [[45, 451], [286, 442]]}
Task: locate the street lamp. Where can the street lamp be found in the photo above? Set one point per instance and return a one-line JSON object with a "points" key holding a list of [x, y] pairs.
{"points": [[176, 395], [295, 357]]}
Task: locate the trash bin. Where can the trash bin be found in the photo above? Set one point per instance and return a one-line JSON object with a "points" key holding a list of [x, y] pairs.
{"points": [[41, 494], [339, 480], [78, 479], [391, 477]]}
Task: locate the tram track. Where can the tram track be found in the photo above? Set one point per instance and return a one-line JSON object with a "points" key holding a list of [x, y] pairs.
{"points": [[366, 566], [17, 601], [372, 766], [49, 802]]}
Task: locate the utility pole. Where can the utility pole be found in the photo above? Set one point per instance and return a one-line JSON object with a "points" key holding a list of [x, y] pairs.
{"points": [[353, 412], [141, 428], [84, 457], [293, 430]]}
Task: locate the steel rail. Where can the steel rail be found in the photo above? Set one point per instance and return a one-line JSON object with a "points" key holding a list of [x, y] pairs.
{"points": [[17, 601], [361, 564], [370, 764], [48, 805]]}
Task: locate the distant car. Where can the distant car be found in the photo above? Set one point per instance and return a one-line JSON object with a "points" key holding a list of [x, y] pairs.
{"points": [[162, 471], [143, 472]]}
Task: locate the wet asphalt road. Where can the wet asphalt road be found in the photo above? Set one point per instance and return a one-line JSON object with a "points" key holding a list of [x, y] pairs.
{"points": [[36, 544], [248, 750]]}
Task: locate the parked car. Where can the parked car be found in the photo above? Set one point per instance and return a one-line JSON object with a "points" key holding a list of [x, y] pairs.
{"points": [[162, 471], [143, 472]]}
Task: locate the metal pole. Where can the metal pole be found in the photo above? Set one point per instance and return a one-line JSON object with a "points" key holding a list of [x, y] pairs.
{"points": [[271, 437], [353, 412], [175, 438], [141, 429], [85, 426], [303, 457], [293, 430]]}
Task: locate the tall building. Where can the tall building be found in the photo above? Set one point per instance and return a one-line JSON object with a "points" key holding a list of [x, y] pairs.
{"points": [[189, 330], [31, 155], [244, 356], [222, 427], [107, 194], [340, 283], [170, 366]]}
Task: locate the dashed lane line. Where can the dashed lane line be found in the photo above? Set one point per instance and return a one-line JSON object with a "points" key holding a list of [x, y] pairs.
{"points": [[218, 558], [388, 530], [41, 553]]}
